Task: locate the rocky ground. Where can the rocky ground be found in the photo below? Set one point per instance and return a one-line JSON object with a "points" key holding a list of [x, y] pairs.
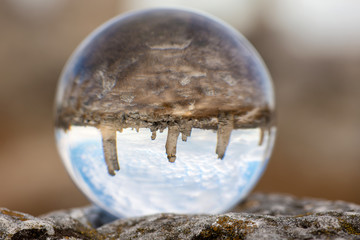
{"points": [[261, 216]]}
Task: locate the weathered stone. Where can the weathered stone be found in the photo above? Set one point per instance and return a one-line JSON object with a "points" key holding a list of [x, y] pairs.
{"points": [[261, 216]]}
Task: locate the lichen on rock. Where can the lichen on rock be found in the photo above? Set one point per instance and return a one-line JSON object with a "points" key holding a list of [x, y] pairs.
{"points": [[261, 216]]}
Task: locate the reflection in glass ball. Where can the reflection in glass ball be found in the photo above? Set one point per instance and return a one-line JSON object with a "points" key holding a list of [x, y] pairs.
{"points": [[165, 110]]}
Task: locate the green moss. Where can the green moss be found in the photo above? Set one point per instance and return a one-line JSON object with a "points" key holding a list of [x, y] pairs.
{"points": [[84, 233], [227, 228], [187, 231], [14, 215], [303, 215], [349, 227], [325, 232], [144, 230]]}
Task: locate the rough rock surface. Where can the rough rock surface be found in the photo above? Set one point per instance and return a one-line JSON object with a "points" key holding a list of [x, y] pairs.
{"points": [[261, 216]]}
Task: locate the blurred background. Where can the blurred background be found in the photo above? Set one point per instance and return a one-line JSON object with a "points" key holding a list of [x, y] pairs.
{"points": [[312, 50]]}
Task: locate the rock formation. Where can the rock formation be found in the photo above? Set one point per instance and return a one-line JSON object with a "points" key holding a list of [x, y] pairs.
{"points": [[259, 217]]}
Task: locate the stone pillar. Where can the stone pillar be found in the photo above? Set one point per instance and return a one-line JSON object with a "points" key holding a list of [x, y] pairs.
{"points": [[171, 142], [225, 126], [108, 134]]}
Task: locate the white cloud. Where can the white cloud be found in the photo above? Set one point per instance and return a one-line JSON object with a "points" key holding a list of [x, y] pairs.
{"points": [[148, 183]]}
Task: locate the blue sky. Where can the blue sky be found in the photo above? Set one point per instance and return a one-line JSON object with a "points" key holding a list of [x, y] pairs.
{"points": [[147, 183]]}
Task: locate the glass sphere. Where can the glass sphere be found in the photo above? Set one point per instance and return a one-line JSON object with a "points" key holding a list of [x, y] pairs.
{"points": [[165, 110]]}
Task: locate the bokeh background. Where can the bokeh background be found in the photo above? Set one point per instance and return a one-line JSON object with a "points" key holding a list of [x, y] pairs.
{"points": [[312, 49]]}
